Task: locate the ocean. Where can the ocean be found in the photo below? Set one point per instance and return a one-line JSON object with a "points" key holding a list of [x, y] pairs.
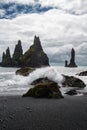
{"points": [[12, 84]]}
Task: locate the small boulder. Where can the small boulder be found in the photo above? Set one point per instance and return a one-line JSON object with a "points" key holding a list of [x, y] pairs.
{"points": [[25, 71], [71, 81], [71, 92], [84, 73], [44, 90]]}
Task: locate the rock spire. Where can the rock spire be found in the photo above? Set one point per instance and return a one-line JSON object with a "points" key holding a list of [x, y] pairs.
{"points": [[72, 60]]}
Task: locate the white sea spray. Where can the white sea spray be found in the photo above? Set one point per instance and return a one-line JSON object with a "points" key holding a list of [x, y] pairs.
{"points": [[10, 83]]}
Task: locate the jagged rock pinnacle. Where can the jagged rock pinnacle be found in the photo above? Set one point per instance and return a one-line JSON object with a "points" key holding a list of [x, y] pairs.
{"points": [[72, 60], [33, 57], [37, 43]]}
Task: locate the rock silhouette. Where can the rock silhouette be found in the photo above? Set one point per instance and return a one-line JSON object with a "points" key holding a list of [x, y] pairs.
{"points": [[18, 52], [6, 58], [72, 60], [33, 57]]}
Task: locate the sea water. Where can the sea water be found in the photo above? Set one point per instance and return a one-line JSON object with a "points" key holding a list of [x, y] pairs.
{"points": [[12, 84]]}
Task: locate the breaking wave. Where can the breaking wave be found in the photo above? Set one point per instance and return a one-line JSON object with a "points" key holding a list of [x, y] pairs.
{"points": [[13, 84]]}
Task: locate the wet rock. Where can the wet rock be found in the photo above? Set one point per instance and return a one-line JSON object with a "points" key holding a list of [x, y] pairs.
{"points": [[25, 71], [71, 92], [71, 81], [84, 73], [44, 90], [42, 80]]}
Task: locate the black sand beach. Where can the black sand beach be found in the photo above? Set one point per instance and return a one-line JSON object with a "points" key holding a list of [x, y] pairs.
{"points": [[17, 113]]}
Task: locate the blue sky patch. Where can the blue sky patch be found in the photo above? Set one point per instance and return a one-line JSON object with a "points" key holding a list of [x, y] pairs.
{"points": [[11, 10]]}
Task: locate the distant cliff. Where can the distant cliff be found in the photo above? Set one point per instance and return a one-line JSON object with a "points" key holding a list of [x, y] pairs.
{"points": [[72, 60], [33, 57]]}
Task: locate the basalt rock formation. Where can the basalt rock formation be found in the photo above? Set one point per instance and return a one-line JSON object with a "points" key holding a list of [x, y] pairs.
{"points": [[18, 52], [71, 92], [6, 58], [8, 61], [33, 57], [44, 90], [72, 60], [71, 81], [25, 71], [84, 73]]}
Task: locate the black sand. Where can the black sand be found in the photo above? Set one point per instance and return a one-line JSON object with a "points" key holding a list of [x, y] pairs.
{"points": [[17, 113]]}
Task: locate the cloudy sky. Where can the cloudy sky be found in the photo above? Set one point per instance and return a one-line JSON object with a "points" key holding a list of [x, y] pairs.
{"points": [[60, 24]]}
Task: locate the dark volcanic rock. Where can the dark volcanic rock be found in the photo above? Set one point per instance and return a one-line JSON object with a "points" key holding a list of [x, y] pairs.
{"points": [[18, 52], [42, 80], [6, 59], [25, 71], [35, 56], [46, 90], [72, 60], [71, 81], [71, 92], [84, 73]]}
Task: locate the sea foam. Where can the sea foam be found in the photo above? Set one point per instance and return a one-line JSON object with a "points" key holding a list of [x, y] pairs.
{"points": [[49, 72], [10, 83]]}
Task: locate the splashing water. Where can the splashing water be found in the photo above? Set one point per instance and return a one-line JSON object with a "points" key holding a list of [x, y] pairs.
{"points": [[11, 84], [16, 84]]}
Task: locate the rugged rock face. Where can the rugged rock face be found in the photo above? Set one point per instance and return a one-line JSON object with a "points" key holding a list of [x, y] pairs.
{"points": [[6, 59], [71, 81], [25, 71], [71, 92], [18, 52], [47, 90], [42, 80], [84, 73], [72, 60], [35, 56]]}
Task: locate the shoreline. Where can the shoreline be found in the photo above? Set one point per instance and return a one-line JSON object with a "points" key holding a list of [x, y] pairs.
{"points": [[18, 113]]}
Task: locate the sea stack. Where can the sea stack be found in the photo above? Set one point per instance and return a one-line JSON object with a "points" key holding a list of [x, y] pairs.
{"points": [[18, 52], [35, 56], [72, 60], [6, 58]]}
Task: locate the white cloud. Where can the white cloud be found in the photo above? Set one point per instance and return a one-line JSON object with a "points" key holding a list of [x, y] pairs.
{"points": [[75, 6], [18, 1], [59, 31], [53, 24], [70, 6]]}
